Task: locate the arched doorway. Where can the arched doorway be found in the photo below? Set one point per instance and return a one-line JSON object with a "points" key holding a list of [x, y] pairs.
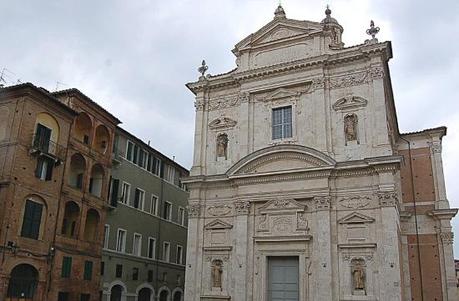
{"points": [[23, 282], [164, 296], [144, 294], [116, 292], [177, 296]]}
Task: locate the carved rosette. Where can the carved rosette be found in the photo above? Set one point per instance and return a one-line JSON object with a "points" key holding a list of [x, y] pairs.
{"points": [[194, 211], [242, 207], [318, 83], [244, 97], [447, 238], [388, 199], [435, 147], [376, 72], [322, 202]]}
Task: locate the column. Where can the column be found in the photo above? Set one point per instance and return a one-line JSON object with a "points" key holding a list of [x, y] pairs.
{"points": [[388, 248], [322, 283], [242, 210]]}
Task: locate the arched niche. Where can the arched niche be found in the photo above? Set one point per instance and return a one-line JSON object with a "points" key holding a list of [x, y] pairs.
{"points": [[70, 220], [83, 127], [97, 180], [102, 139], [91, 225], [77, 171]]}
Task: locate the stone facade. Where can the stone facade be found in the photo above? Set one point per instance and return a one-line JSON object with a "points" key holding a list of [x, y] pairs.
{"points": [[299, 169], [55, 154], [147, 272]]}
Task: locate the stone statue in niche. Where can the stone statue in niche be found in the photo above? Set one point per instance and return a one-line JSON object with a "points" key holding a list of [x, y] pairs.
{"points": [[358, 275], [222, 146], [217, 270], [350, 127]]}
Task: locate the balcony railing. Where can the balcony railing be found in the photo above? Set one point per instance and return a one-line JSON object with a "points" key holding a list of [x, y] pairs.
{"points": [[47, 147]]}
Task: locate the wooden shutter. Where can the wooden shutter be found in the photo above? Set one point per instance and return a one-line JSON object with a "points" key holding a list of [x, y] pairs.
{"points": [[114, 196], [32, 220], [49, 169], [87, 270], [66, 267]]}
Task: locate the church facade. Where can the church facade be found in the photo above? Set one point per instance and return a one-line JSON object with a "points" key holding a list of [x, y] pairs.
{"points": [[302, 186]]}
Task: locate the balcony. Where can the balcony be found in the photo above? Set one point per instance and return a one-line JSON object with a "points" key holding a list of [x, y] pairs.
{"points": [[45, 147]]}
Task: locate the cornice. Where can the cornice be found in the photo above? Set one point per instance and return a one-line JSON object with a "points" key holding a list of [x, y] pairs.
{"points": [[446, 214]]}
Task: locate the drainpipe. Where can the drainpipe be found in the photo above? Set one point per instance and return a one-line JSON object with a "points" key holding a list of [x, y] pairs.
{"points": [[413, 191], [158, 233]]}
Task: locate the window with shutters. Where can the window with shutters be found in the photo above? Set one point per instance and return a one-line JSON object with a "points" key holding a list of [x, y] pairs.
{"points": [[154, 205], [137, 244], [106, 235], [282, 123], [32, 219], [156, 167], [151, 247], [130, 151], [66, 267], [114, 188], [119, 271], [135, 156], [126, 192], [121, 241], [139, 198], [87, 270], [42, 138], [44, 169], [167, 211], [166, 251]]}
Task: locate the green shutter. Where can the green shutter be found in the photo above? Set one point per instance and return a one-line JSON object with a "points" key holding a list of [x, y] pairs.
{"points": [[32, 219], [87, 270], [66, 267]]}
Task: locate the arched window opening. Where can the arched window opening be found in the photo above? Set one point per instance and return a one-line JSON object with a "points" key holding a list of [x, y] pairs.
{"points": [[23, 282], [31, 220], [96, 181], [46, 133], [178, 296], [77, 169], [102, 139], [71, 216], [144, 294], [92, 222], [116, 293], [83, 125], [164, 295]]}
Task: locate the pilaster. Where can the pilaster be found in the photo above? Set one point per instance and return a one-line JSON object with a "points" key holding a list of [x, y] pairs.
{"points": [[242, 210], [194, 254]]}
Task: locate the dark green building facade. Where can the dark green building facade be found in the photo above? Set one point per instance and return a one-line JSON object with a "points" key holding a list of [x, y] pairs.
{"points": [[146, 226]]}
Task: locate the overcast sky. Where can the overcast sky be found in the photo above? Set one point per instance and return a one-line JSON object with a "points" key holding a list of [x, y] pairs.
{"points": [[134, 57]]}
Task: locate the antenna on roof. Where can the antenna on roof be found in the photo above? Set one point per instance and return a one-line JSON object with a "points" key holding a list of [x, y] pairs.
{"points": [[173, 158], [58, 83], [4, 76]]}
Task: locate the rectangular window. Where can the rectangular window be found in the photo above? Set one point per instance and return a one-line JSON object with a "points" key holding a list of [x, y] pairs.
{"points": [[126, 192], [157, 166], [42, 138], [31, 220], [135, 273], [181, 216], [139, 198], [136, 154], [87, 270], [166, 251], [167, 212], [179, 259], [169, 173], [150, 276], [121, 241], [114, 188], [130, 151], [282, 123], [137, 244], [143, 156], [66, 267], [102, 268], [154, 204], [85, 297], [44, 169], [63, 296], [151, 247], [150, 162], [106, 235], [119, 271]]}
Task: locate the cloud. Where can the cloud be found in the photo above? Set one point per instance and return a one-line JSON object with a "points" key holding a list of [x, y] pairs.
{"points": [[135, 57]]}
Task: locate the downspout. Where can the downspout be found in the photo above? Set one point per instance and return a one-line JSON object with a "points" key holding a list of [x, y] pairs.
{"points": [[158, 233], [413, 191]]}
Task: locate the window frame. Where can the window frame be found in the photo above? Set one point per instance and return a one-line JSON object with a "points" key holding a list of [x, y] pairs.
{"points": [[125, 199], [169, 217], [130, 157], [106, 235], [141, 204], [139, 245], [88, 270], [66, 272], [155, 211], [151, 246], [177, 255], [123, 247], [181, 216], [283, 124], [166, 255], [33, 220]]}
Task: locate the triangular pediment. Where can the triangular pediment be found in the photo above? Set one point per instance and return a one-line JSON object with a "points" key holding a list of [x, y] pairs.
{"points": [[349, 102], [356, 218], [282, 205], [278, 30], [217, 224], [280, 94]]}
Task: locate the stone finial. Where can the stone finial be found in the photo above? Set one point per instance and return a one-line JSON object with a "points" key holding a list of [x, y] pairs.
{"points": [[279, 13], [203, 68], [328, 18], [373, 31]]}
